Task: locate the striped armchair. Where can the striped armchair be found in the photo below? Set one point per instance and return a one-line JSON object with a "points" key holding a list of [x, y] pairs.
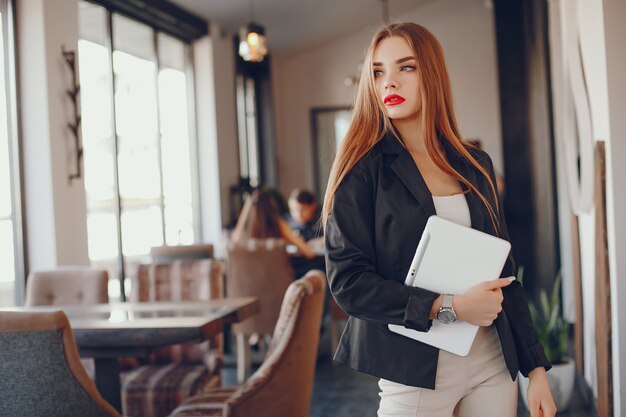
{"points": [[283, 385], [177, 372]]}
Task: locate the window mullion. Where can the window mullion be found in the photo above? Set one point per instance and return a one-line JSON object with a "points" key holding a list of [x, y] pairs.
{"points": [[15, 153], [193, 145], [118, 203], [157, 68]]}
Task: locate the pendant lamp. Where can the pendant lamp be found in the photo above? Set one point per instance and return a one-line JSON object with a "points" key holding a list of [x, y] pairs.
{"points": [[253, 42]]}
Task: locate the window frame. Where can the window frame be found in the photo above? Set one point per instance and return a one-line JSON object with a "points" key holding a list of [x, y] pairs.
{"points": [[7, 7], [122, 260]]}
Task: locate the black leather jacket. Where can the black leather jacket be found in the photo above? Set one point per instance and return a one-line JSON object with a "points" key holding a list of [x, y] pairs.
{"points": [[378, 216]]}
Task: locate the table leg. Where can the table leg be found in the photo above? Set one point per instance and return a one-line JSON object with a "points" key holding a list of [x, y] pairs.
{"points": [[244, 357], [108, 381]]}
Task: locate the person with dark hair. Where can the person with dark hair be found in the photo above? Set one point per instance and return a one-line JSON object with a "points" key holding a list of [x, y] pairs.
{"points": [[304, 214], [259, 219]]}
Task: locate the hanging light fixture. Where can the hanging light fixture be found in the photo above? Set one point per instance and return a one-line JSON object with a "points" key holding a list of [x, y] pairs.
{"points": [[253, 42]]}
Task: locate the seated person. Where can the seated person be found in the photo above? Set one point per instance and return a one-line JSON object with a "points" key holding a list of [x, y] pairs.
{"points": [[304, 214], [259, 219]]}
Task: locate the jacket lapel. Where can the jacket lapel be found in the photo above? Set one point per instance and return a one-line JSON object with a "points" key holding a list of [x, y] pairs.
{"points": [[407, 171]]}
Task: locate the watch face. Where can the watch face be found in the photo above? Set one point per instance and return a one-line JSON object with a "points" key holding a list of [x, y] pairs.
{"points": [[446, 316]]}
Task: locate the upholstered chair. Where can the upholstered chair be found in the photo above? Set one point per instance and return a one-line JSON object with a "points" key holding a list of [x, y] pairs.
{"points": [[67, 286], [172, 253], [40, 371], [257, 268], [174, 373], [283, 385]]}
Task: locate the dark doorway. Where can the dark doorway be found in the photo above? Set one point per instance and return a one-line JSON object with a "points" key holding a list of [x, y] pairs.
{"points": [[528, 139]]}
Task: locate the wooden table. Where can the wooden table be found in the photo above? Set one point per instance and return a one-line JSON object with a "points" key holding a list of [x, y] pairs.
{"points": [[107, 332]]}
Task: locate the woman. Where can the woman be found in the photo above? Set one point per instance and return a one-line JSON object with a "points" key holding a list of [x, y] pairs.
{"points": [[402, 161], [260, 219]]}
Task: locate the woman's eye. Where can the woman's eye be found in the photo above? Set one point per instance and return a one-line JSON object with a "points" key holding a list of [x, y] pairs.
{"points": [[407, 68], [377, 73]]}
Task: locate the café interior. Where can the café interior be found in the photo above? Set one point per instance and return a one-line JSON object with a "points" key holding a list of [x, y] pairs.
{"points": [[140, 140]]}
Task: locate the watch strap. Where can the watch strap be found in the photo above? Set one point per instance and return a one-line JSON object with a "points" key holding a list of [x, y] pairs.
{"points": [[447, 301]]}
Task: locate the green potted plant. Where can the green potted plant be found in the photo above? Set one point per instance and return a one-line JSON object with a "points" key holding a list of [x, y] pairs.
{"points": [[552, 330]]}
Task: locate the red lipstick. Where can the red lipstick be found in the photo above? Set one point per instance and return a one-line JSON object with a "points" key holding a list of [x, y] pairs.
{"points": [[393, 99]]}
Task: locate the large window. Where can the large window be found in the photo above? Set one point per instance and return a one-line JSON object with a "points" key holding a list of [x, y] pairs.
{"points": [[11, 263], [140, 176]]}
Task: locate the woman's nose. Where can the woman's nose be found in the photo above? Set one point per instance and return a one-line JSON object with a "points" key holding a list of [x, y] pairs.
{"points": [[390, 83]]}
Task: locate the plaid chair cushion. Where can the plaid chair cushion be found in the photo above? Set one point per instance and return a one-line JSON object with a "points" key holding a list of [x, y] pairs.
{"points": [[212, 403], [171, 375], [155, 390], [190, 280]]}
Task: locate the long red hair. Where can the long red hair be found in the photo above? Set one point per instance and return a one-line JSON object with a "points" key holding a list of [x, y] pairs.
{"points": [[370, 124]]}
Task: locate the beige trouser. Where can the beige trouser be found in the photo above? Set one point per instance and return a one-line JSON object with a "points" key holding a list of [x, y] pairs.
{"points": [[476, 385]]}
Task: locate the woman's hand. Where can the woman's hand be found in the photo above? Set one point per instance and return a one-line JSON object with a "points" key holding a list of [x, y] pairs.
{"points": [[480, 304], [540, 401]]}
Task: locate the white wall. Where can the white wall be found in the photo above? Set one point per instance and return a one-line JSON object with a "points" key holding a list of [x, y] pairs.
{"points": [[591, 48], [315, 78], [601, 37], [217, 131], [56, 229]]}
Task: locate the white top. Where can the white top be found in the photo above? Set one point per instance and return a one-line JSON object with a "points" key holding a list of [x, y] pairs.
{"points": [[454, 208]]}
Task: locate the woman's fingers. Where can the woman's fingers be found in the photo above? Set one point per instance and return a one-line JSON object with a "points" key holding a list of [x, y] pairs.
{"points": [[497, 283], [548, 409], [535, 410]]}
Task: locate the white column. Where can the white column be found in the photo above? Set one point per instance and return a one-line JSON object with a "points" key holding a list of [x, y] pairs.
{"points": [[218, 163], [55, 210]]}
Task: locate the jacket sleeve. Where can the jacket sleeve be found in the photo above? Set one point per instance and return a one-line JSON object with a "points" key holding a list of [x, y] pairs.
{"points": [[530, 352], [351, 258]]}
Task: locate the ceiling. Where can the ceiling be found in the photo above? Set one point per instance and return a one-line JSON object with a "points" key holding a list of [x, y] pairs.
{"points": [[298, 24]]}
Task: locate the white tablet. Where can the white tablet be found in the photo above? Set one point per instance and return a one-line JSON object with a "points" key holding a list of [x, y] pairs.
{"points": [[449, 259]]}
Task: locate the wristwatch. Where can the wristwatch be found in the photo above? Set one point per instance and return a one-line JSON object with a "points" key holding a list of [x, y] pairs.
{"points": [[446, 313]]}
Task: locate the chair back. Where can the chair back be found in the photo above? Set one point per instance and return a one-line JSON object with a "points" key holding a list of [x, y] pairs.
{"points": [[67, 285], [172, 253], [183, 280], [283, 385], [259, 268], [52, 381], [179, 280]]}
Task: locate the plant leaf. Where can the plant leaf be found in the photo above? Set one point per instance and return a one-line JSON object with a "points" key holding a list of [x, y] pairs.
{"points": [[534, 316], [545, 304], [553, 317], [556, 286], [551, 328], [520, 274], [564, 338]]}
